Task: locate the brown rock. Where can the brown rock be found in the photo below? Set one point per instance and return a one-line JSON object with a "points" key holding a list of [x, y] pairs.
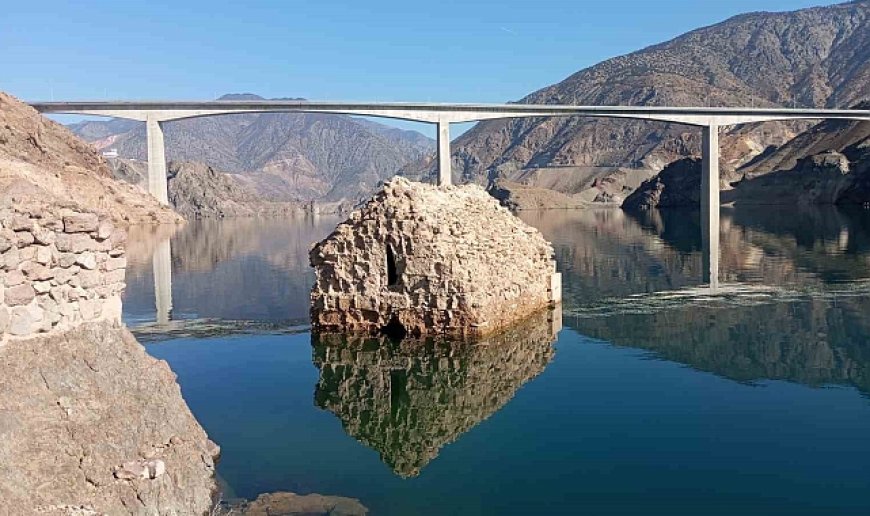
{"points": [[105, 230], [11, 258], [81, 223], [87, 260], [44, 236], [61, 456], [24, 238], [19, 295], [115, 263], [75, 243], [132, 470], [5, 242], [36, 271], [21, 321], [44, 255], [212, 449], [4, 320], [20, 223], [13, 278]]}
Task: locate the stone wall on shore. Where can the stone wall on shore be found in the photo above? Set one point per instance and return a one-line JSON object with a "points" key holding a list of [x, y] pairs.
{"points": [[60, 267]]}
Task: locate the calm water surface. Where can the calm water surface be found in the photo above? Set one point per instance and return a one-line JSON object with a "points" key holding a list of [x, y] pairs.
{"points": [[653, 398]]}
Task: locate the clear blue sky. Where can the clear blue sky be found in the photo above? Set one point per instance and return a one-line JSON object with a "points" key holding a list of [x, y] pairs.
{"points": [[381, 50]]}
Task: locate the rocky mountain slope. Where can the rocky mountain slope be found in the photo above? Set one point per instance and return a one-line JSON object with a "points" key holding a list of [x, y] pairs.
{"points": [[198, 191], [42, 162], [301, 157], [828, 164], [839, 135], [811, 57]]}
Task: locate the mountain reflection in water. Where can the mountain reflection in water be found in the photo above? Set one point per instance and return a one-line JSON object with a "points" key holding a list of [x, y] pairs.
{"points": [[809, 341], [409, 398]]}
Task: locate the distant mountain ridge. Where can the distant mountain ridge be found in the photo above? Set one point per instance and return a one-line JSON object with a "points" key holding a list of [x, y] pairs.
{"points": [[810, 57], [284, 156]]}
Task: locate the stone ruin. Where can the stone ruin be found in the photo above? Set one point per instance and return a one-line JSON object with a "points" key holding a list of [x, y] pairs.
{"points": [[60, 267], [407, 399], [419, 259]]}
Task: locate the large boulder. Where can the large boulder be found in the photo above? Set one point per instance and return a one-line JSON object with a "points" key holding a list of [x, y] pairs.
{"points": [[422, 259], [822, 178], [198, 191], [90, 422], [677, 185]]}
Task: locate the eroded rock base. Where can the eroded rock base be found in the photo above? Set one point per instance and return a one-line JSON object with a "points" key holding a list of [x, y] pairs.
{"points": [[79, 410]]}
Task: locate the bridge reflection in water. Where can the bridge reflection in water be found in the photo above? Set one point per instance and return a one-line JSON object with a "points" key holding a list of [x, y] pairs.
{"points": [[408, 399], [162, 266]]}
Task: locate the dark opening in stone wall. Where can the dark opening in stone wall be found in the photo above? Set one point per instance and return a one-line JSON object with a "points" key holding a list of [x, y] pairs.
{"points": [[392, 271]]}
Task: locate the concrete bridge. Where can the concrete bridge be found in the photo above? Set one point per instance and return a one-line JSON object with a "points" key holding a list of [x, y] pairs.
{"points": [[155, 114]]}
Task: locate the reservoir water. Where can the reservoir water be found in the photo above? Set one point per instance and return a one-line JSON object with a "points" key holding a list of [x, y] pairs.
{"points": [[646, 395]]}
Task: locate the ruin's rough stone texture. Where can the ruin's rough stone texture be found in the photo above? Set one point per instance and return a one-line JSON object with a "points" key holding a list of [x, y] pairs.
{"points": [[58, 268], [463, 264]]}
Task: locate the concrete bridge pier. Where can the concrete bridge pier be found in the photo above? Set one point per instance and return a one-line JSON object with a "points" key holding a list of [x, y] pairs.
{"points": [[710, 204], [444, 173], [157, 182]]}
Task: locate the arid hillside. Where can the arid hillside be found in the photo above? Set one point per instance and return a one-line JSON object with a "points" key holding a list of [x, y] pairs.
{"points": [[282, 156], [811, 57], [42, 162]]}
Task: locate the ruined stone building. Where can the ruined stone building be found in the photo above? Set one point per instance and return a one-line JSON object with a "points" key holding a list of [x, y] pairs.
{"points": [[421, 259]]}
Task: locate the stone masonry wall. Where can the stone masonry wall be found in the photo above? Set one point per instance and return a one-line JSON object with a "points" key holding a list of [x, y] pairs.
{"points": [[431, 260], [59, 267]]}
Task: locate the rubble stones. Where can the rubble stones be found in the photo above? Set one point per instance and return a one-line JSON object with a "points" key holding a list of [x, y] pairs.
{"points": [[87, 260], [144, 469], [80, 223], [421, 259], [59, 267], [19, 295]]}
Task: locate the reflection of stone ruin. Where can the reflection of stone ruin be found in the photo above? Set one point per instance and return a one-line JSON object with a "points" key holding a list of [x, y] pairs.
{"points": [[407, 399], [423, 259]]}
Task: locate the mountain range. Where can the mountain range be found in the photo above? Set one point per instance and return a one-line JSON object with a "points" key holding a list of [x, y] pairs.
{"points": [[282, 156], [816, 57], [811, 57]]}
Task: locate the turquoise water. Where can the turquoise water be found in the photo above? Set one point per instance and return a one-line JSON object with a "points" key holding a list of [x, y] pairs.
{"points": [[653, 398]]}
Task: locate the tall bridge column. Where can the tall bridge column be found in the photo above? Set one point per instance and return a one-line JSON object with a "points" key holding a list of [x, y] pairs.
{"points": [[157, 182], [710, 203], [444, 174]]}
